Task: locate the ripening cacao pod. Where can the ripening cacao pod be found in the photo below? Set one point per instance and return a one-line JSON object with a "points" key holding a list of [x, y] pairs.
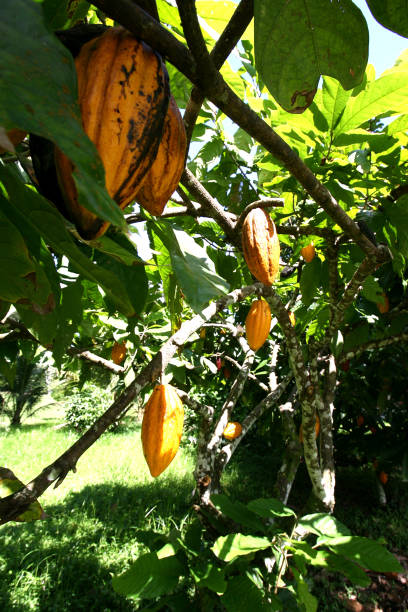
{"points": [[258, 324], [317, 430], [308, 252], [360, 420], [232, 430], [384, 306], [165, 172], [260, 245], [162, 427], [15, 136], [118, 352], [383, 476], [123, 96]]}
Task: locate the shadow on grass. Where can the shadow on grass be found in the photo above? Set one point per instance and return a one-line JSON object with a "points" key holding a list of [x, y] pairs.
{"points": [[66, 562]]}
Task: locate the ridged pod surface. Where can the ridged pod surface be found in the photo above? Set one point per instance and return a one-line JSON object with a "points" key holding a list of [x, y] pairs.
{"points": [[164, 175], [384, 306], [232, 430], [258, 324], [123, 95], [118, 352], [260, 245], [162, 427]]}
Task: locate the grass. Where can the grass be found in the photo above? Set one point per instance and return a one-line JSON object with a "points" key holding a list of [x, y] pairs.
{"points": [[101, 518]]}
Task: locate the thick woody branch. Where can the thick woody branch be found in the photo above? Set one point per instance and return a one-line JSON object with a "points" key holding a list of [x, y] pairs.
{"points": [[209, 206], [18, 330], [13, 505], [223, 47], [306, 230]]}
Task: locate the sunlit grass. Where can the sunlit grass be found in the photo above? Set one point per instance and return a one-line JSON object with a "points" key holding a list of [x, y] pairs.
{"points": [[99, 519]]}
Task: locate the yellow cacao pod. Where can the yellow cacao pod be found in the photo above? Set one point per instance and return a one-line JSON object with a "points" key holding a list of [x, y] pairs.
{"points": [[164, 175], [232, 430], [308, 252], [292, 318], [162, 427], [118, 352], [258, 324], [260, 245], [123, 96]]}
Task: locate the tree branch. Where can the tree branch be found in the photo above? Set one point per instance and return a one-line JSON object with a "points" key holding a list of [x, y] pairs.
{"points": [[213, 86], [13, 505]]}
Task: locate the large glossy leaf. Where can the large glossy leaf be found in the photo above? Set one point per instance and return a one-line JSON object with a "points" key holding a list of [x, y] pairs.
{"points": [[236, 545], [296, 42], [323, 524], [238, 512], [269, 508], [392, 14], [149, 577], [194, 270], [334, 98], [38, 94], [243, 594], [310, 280], [388, 94], [365, 552]]}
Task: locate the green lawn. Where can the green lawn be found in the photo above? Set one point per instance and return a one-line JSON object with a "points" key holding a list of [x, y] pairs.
{"points": [[110, 510], [98, 519]]}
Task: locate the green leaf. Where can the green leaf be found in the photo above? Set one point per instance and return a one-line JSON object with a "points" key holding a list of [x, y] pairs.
{"points": [[269, 507], [396, 228], [388, 94], [334, 99], [372, 290], [237, 511], [352, 571], [45, 220], [392, 14], [149, 577], [323, 524], [209, 576], [243, 594], [365, 552], [40, 96], [308, 601], [230, 547], [297, 42], [310, 280], [194, 270]]}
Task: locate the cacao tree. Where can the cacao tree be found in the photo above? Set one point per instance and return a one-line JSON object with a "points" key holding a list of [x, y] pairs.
{"points": [[327, 163]]}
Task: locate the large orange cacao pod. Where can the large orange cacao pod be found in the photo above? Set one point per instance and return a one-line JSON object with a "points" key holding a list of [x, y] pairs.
{"points": [[165, 173], [260, 245], [258, 324], [232, 430], [162, 427], [118, 352], [15, 136], [123, 95]]}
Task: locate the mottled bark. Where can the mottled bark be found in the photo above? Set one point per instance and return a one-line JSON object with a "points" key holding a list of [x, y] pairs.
{"points": [[292, 454]]}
